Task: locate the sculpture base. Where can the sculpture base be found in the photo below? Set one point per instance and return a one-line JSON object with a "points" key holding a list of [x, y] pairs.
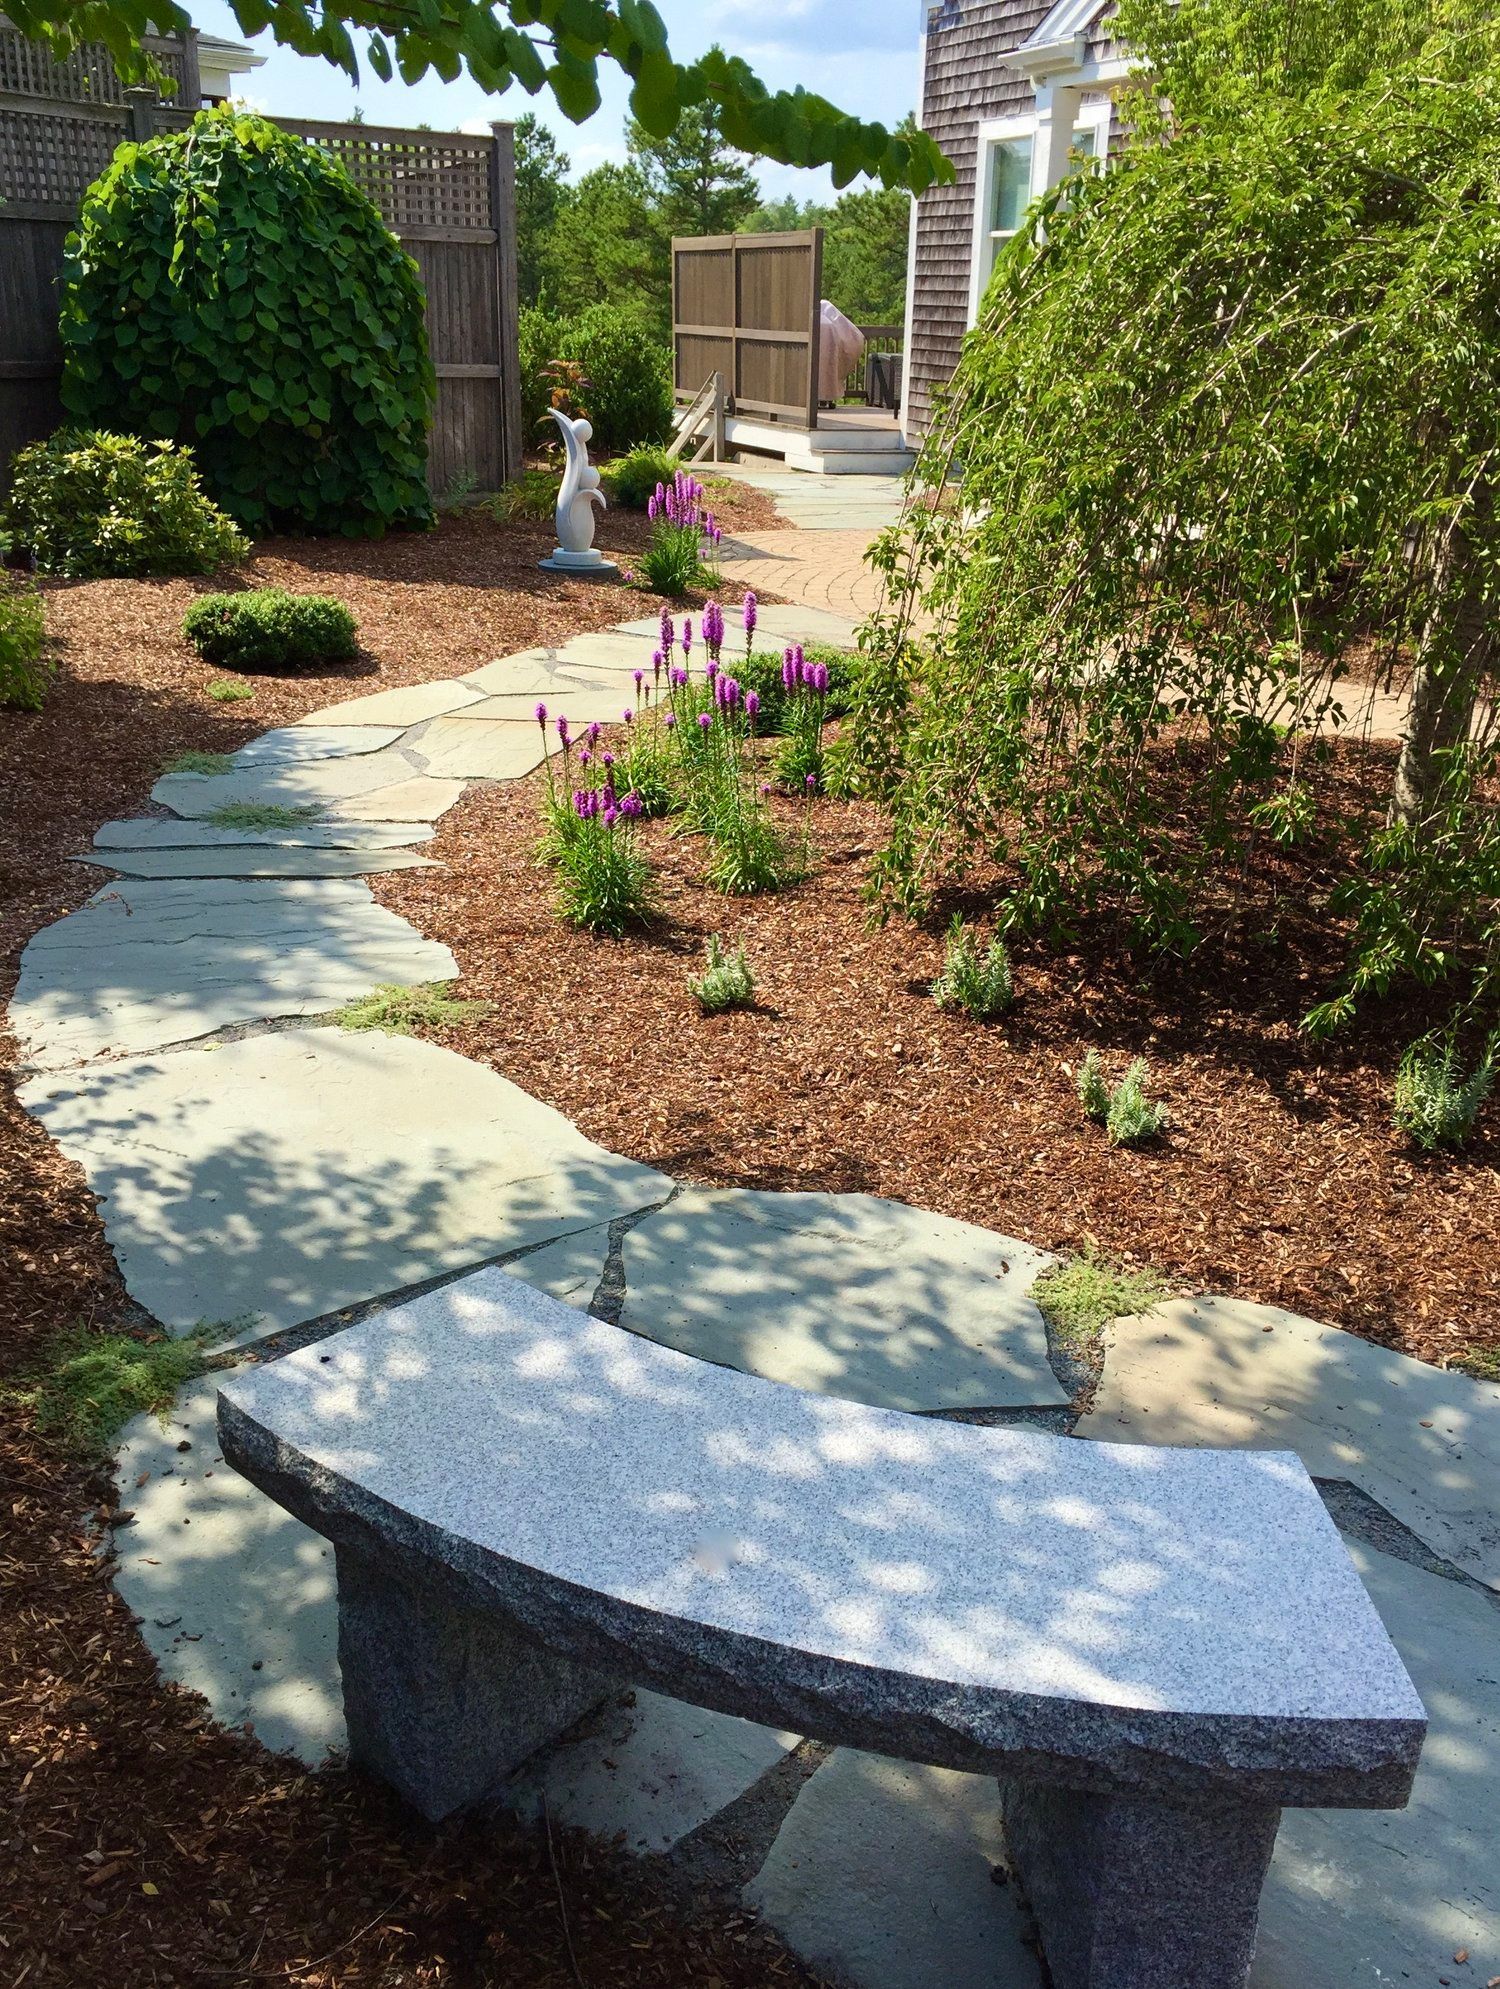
{"points": [[582, 563]]}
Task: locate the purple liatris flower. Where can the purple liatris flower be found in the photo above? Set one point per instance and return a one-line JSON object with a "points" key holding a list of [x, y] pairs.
{"points": [[611, 816], [668, 633], [711, 669], [627, 714], [670, 720], [752, 705], [687, 633], [631, 805], [652, 504], [713, 626], [788, 669], [657, 660], [748, 616], [607, 759], [705, 719], [594, 730], [765, 787], [640, 677], [584, 757], [810, 781], [818, 674], [562, 732], [541, 715], [679, 676]]}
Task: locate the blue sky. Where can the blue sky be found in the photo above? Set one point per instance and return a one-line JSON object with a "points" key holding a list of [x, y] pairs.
{"points": [[864, 58]]}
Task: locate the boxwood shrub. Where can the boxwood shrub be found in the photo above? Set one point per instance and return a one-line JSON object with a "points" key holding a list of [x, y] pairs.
{"points": [[629, 372], [95, 506], [266, 628], [229, 286]]}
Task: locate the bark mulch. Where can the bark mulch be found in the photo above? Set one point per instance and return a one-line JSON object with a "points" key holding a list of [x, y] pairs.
{"points": [[139, 1843], [1280, 1178]]}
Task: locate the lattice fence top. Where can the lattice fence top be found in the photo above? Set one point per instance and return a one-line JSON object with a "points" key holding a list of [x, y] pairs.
{"points": [[27, 69], [51, 158]]}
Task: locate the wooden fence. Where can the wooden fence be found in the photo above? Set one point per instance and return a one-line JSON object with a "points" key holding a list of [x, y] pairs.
{"points": [[746, 307], [449, 199]]}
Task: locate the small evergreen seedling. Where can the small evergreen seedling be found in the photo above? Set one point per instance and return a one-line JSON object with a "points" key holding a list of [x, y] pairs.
{"points": [[1093, 1091], [982, 985], [1433, 1103], [726, 982], [1132, 1116]]}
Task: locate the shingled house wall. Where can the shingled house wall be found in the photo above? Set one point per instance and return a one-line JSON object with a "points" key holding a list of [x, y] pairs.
{"points": [[963, 86]]}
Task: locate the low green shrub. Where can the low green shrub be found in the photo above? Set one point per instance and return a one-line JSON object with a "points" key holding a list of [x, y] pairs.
{"points": [[25, 669], [982, 985], [266, 628], [1078, 1298], [1126, 1113], [226, 691], [762, 670], [726, 982], [95, 506], [630, 481], [539, 336], [1434, 1104], [628, 369]]}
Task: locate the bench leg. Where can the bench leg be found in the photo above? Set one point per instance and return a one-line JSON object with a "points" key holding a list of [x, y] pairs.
{"points": [[442, 1701], [1130, 1894]]}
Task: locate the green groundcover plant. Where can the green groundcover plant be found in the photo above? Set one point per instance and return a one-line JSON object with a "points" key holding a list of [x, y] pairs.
{"points": [[96, 506], [266, 628], [1230, 408], [230, 287]]}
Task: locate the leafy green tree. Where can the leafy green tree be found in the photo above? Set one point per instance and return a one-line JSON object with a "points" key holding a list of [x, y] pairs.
{"points": [[787, 216], [699, 185], [607, 245], [553, 45], [864, 255], [542, 169], [1230, 407], [230, 287]]}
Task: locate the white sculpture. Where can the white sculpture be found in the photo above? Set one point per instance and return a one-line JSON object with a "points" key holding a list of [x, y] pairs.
{"points": [[576, 503]]}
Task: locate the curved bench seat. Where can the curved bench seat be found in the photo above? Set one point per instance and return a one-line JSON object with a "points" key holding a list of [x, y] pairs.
{"points": [[532, 1506]]}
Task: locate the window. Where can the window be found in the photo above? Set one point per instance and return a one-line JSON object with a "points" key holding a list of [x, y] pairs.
{"points": [[1004, 190]]}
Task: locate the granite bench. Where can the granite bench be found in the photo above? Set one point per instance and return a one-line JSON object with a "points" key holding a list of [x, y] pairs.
{"points": [[1153, 1650]]}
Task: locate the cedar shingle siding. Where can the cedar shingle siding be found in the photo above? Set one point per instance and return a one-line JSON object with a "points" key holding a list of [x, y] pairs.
{"points": [[964, 86]]}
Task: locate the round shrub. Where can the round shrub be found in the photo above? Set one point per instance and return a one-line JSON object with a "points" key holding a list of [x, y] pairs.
{"points": [[629, 373], [96, 506], [268, 629], [631, 480], [231, 287]]}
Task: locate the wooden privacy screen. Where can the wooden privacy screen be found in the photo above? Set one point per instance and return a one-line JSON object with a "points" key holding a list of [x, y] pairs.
{"points": [[447, 197], [746, 306]]}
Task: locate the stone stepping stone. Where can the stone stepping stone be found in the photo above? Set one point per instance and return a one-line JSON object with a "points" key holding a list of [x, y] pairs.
{"points": [[170, 832], [847, 1294], [406, 704], [1361, 1897], [148, 963], [537, 673], [280, 1177], [236, 1599], [580, 705], [384, 786], [300, 744], [881, 1875], [1423, 1443], [465, 748], [256, 860]]}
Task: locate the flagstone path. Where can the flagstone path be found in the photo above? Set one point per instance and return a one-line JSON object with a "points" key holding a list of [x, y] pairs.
{"points": [[273, 1178]]}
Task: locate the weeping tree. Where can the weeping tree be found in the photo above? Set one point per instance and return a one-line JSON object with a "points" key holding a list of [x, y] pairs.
{"points": [[1229, 409]]}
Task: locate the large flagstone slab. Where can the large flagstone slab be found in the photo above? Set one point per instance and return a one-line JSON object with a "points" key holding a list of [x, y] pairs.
{"points": [[283, 1176], [847, 1294], [535, 673], [382, 784], [406, 704], [882, 1875], [255, 860], [171, 832], [1216, 1371], [150, 962], [464, 748], [1364, 1897], [297, 745], [580, 704]]}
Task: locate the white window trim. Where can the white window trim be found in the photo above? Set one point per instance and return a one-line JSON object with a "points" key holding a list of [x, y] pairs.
{"points": [[993, 132]]}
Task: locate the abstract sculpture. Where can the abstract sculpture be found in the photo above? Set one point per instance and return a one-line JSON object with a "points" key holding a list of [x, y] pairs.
{"points": [[576, 501]]}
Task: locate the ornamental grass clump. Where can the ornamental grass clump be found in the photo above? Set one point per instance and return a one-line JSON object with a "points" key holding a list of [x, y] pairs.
{"points": [[592, 838], [981, 984], [1434, 1104], [726, 982], [684, 538]]}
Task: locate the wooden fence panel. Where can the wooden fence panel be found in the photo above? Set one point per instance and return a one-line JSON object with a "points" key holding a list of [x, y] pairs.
{"points": [[746, 306], [448, 197]]}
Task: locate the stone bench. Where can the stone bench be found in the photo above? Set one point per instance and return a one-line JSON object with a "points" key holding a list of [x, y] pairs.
{"points": [[1153, 1650]]}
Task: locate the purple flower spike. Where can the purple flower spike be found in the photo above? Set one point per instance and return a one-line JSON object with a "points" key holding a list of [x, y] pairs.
{"points": [[670, 720], [810, 781], [668, 633], [594, 730], [562, 732], [705, 719], [656, 661], [788, 669], [631, 805], [752, 704], [765, 787], [584, 757], [611, 816], [679, 675], [628, 715], [747, 615], [607, 759], [541, 715], [819, 674], [711, 670], [640, 677]]}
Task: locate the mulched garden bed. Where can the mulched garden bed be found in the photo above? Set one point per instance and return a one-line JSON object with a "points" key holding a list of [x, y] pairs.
{"points": [[1279, 1179], [140, 1844]]}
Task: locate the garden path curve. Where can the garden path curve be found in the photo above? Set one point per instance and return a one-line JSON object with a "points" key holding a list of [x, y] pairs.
{"points": [[258, 1167]]}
